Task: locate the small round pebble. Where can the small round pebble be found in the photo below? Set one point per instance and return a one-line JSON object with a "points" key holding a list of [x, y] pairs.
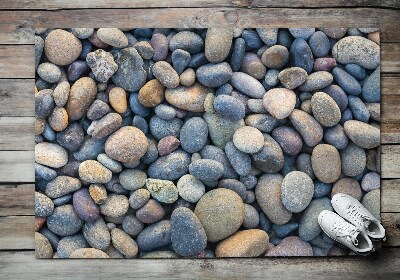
{"points": [[347, 186], [297, 191], [163, 191], [193, 135], [85, 206], [44, 206], [115, 205], [248, 139], [62, 47], [190, 188], [292, 77], [206, 169], [279, 102], [152, 93], [124, 243], [113, 37], [49, 72], [354, 160], [326, 163], [151, 212], [117, 99], [275, 57], [64, 221], [43, 249], [97, 234], [371, 181], [139, 198], [91, 171], [131, 225]]}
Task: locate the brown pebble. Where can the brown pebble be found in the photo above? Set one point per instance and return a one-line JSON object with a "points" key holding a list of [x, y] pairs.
{"points": [[58, 120], [98, 193], [167, 145], [151, 212], [88, 253], [94, 39], [152, 93], [117, 99], [61, 47], [83, 93], [43, 249], [61, 93], [39, 222], [188, 77], [347, 186], [124, 243], [40, 124]]}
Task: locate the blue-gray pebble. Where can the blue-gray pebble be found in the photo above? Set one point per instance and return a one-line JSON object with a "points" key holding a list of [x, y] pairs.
{"points": [[358, 109], [170, 167], [229, 107], [155, 236], [193, 135], [371, 90], [301, 55], [161, 128], [214, 75], [346, 81], [240, 161], [206, 169]]}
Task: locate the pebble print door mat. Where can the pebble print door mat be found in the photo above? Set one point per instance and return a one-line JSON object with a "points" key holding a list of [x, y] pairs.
{"points": [[202, 143]]}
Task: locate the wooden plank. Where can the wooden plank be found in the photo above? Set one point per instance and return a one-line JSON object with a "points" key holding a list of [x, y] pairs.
{"points": [[20, 133], [390, 161], [17, 200], [17, 232], [384, 265], [390, 133], [17, 97], [16, 26], [113, 4], [390, 58], [390, 195], [17, 166], [391, 222], [17, 61]]}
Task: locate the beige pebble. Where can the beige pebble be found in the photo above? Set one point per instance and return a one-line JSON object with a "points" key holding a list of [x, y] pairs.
{"points": [[117, 99]]}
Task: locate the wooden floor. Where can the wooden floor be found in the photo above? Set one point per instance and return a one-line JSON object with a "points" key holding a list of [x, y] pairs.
{"points": [[17, 20]]}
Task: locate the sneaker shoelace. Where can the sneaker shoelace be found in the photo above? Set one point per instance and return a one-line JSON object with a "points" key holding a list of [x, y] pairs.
{"points": [[363, 220], [346, 231]]}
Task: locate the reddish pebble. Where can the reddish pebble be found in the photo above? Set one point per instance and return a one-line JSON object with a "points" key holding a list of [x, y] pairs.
{"points": [[167, 145], [324, 64]]}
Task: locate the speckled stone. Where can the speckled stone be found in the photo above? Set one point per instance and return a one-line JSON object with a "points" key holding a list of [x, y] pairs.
{"points": [[218, 43], [160, 45], [152, 93], [124, 243], [162, 190], [246, 244], [275, 57], [139, 198], [118, 100], [98, 193], [84, 206], [188, 41], [115, 206], [113, 37], [221, 212], [317, 80], [102, 64], [155, 236], [43, 249], [150, 213], [69, 244], [44, 206], [91, 171], [270, 158], [336, 137], [362, 134], [326, 164], [253, 66], [307, 126], [354, 160], [49, 72], [64, 221], [214, 75], [372, 201], [51, 155], [251, 216], [131, 225], [324, 64], [347, 186], [248, 139], [44, 103], [300, 55], [88, 253], [188, 98], [279, 102], [83, 93], [297, 191], [193, 135], [268, 195], [97, 234], [206, 169], [166, 74], [289, 139], [291, 246], [58, 120], [170, 167], [105, 126], [292, 77], [188, 77], [61, 47], [371, 181], [144, 49], [247, 85], [325, 110]]}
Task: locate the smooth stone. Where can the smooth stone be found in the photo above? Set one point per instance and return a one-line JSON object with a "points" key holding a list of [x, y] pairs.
{"points": [[240, 161], [347, 186], [282, 231], [97, 234], [84, 206], [83, 93], [124, 243], [268, 35], [362, 134], [131, 225], [97, 110], [325, 110], [105, 126], [303, 163], [188, 236], [215, 153], [90, 149], [58, 120], [160, 45], [291, 246], [88, 253], [155, 236], [98, 193], [188, 41], [214, 75], [247, 85], [82, 33], [152, 93], [163, 191], [248, 139], [234, 185], [109, 163], [167, 145], [256, 106], [229, 107], [151, 212], [371, 91], [164, 73], [324, 64], [144, 49], [77, 70], [221, 212], [271, 77], [165, 112], [326, 163], [356, 71], [338, 95], [238, 51], [188, 77], [270, 158], [372, 201], [354, 160], [309, 227], [91, 171], [304, 33], [374, 110], [252, 39], [347, 82], [115, 205], [251, 216], [279, 102], [44, 172], [62, 47], [190, 188], [160, 128], [49, 72], [139, 198], [113, 37], [43, 249], [310, 130], [180, 59], [292, 77], [218, 43], [297, 191], [245, 244], [253, 66], [206, 169], [69, 244], [62, 185], [188, 98], [39, 46], [335, 33], [170, 167], [289, 139], [275, 57], [51, 155], [44, 103], [358, 50], [44, 206], [316, 81], [268, 195], [64, 221], [193, 135], [319, 44], [61, 93], [371, 181], [300, 55]]}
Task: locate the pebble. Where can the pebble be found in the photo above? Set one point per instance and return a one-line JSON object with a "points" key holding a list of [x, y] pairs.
{"points": [[218, 43], [289, 139], [144, 49], [90, 148], [180, 59], [308, 226], [62, 47], [118, 100], [139, 198], [83, 93], [355, 70], [49, 72], [39, 46], [51, 155], [113, 37], [248, 139], [160, 45], [165, 112], [304, 33], [188, 98], [64, 221], [317, 80], [190, 188], [58, 120], [362, 134], [253, 66], [300, 55], [347, 82], [229, 107], [310, 130], [326, 163], [151, 212], [268, 195], [44, 172], [43, 249], [97, 234], [324, 64], [188, 236], [82, 33], [124, 243], [131, 225], [354, 160], [194, 134], [238, 51], [371, 91], [130, 74], [105, 126], [88, 253], [358, 50], [109, 163], [271, 77], [292, 77], [338, 95], [220, 129], [291, 246], [372, 201], [167, 145], [91, 171], [325, 110], [240, 161], [215, 153], [282, 231], [347, 186], [61, 93], [161, 128], [84, 206], [97, 110], [270, 159], [279, 102], [188, 41], [252, 39], [155, 236], [69, 244], [77, 70], [44, 103], [44, 206], [170, 167], [275, 57], [251, 216], [319, 44], [234, 185], [162, 190], [335, 33], [98, 193], [214, 75], [247, 85], [297, 191], [371, 181], [245, 244], [115, 205], [221, 212], [164, 73], [268, 35], [188, 77], [102, 64], [206, 169], [127, 144]]}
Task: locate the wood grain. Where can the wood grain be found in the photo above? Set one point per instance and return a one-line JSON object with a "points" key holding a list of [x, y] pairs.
{"points": [[17, 61], [391, 222], [17, 97], [390, 195], [17, 200], [17, 232], [17, 166], [16, 27], [390, 161], [20, 133]]}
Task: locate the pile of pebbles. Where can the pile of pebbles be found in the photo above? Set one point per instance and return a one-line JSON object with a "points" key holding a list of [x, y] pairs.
{"points": [[202, 143]]}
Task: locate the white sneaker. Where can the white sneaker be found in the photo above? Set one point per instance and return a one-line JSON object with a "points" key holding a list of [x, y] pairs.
{"points": [[353, 211], [345, 233]]}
